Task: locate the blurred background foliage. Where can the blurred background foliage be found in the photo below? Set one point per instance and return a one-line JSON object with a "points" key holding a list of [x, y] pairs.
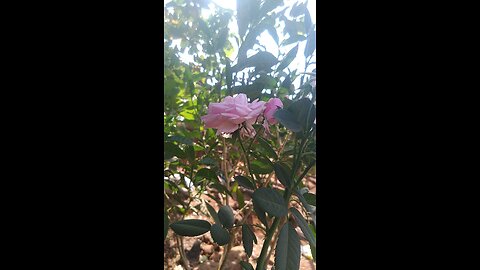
{"points": [[224, 62]]}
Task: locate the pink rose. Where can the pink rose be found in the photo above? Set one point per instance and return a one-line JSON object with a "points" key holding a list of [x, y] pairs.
{"points": [[270, 108], [228, 115]]}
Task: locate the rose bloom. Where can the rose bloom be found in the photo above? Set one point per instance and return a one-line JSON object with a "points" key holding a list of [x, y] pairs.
{"points": [[228, 115], [270, 108]]}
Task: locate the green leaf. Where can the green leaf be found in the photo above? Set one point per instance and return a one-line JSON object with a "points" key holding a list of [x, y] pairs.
{"points": [[190, 227], [310, 198], [260, 214], [207, 174], [246, 265], [221, 39], [260, 167], [268, 148], [208, 161], [283, 174], [222, 189], [288, 120], [244, 182], [212, 212], [174, 150], [219, 234], [253, 91], [247, 238], [270, 201], [311, 44], [240, 199], [302, 223], [266, 81], [165, 225], [304, 111], [180, 139], [214, 198], [287, 251], [250, 39], [261, 61], [188, 114], [288, 58], [313, 249], [190, 151], [225, 214]]}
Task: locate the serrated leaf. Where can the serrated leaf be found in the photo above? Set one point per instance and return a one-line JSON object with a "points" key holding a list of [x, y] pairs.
{"points": [[244, 182], [288, 120], [246, 265], [283, 174], [247, 238], [212, 212], [219, 234], [165, 225], [190, 227], [302, 223], [225, 215], [270, 201], [288, 58], [310, 198], [287, 251]]}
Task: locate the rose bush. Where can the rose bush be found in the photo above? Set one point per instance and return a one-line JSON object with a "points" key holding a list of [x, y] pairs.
{"points": [[265, 105]]}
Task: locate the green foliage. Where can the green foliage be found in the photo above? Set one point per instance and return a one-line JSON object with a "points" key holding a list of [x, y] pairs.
{"points": [[302, 223], [219, 234], [190, 227], [225, 215], [248, 237], [245, 182], [197, 161], [246, 265], [270, 201], [287, 251]]}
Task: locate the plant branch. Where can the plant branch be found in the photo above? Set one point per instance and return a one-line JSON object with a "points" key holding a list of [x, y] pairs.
{"points": [[246, 157]]}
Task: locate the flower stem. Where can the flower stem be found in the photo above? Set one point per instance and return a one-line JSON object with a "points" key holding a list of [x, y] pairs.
{"points": [[266, 244], [246, 158]]}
